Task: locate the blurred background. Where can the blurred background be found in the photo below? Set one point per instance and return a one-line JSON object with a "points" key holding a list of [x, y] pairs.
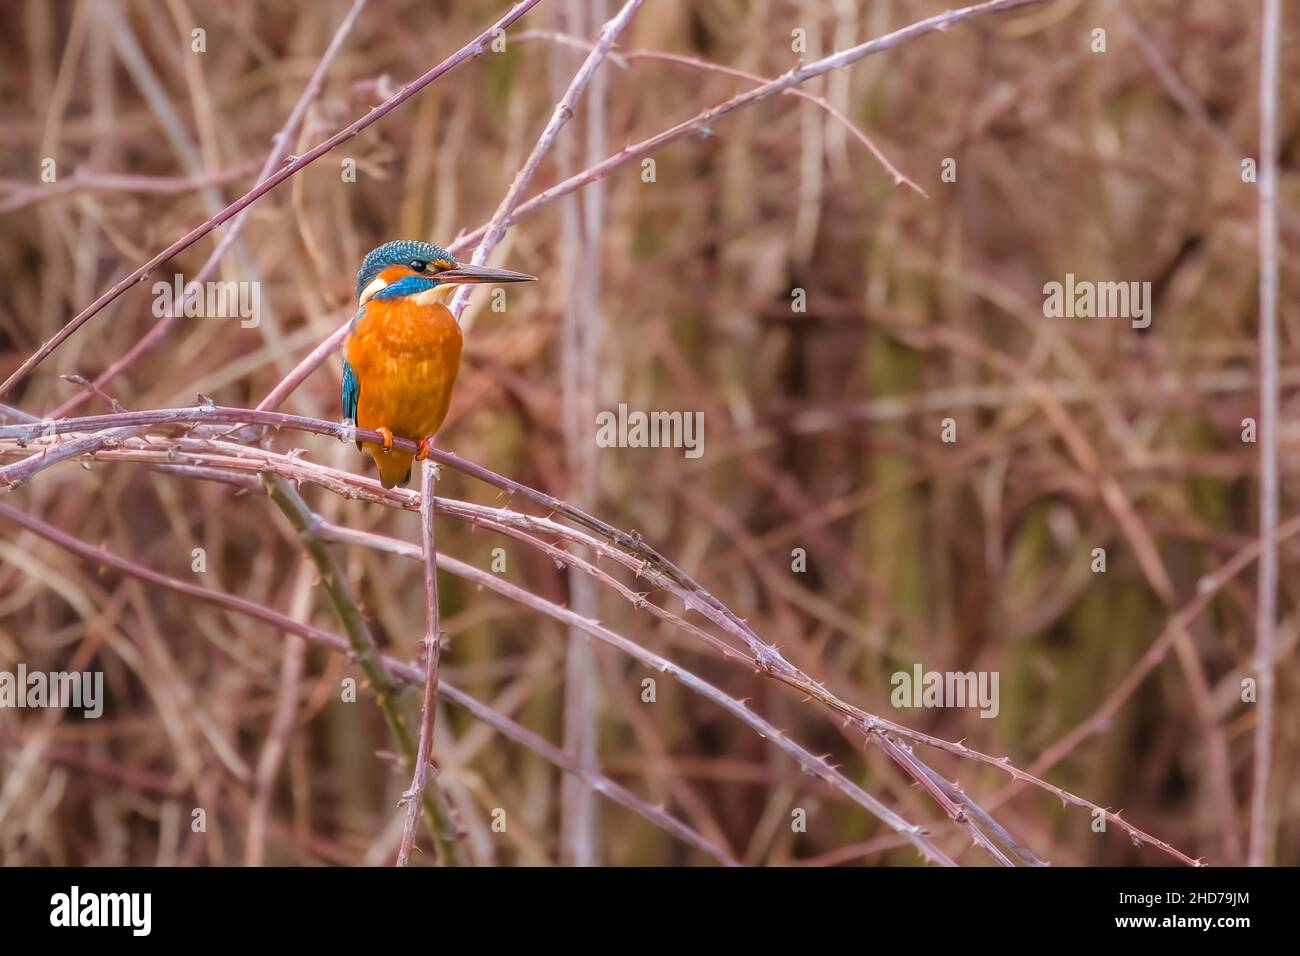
{"points": [[767, 272]]}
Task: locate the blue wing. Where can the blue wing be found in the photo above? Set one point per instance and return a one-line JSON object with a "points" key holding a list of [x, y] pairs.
{"points": [[351, 394]]}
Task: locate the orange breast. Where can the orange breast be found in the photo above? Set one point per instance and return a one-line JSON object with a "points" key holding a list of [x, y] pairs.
{"points": [[405, 356]]}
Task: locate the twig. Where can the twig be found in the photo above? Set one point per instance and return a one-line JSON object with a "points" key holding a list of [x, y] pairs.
{"points": [[1266, 596], [86, 181], [580, 825], [366, 653], [309, 364], [1183, 95], [697, 64], [277, 735], [432, 654], [87, 444], [496, 227]]}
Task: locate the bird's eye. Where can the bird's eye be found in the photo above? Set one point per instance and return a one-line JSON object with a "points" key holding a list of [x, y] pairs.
{"points": [[419, 265]]}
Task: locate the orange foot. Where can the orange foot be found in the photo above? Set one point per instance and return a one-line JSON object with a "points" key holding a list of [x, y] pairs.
{"points": [[387, 435], [423, 453]]}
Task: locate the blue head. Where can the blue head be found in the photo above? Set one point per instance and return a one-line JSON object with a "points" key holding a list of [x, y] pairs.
{"points": [[408, 267]]}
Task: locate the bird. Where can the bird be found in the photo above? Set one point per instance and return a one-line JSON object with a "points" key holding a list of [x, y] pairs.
{"points": [[403, 348]]}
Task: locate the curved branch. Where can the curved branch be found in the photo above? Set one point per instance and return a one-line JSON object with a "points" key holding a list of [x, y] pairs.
{"points": [[641, 558]]}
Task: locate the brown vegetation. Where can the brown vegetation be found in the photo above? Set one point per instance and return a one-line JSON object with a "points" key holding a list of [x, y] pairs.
{"points": [[794, 266]]}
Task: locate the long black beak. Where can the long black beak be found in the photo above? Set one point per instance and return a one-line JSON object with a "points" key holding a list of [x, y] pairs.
{"points": [[466, 274]]}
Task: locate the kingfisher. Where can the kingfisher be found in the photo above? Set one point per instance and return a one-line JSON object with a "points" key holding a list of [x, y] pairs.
{"points": [[403, 348]]}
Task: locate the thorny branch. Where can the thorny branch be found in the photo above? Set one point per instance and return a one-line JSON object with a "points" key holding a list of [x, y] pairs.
{"points": [[629, 548]]}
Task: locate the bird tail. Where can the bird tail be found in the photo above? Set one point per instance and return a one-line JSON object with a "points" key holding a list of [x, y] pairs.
{"points": [[394, 466]]}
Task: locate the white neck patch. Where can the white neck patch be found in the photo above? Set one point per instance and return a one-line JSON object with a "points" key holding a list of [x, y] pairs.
{"points": [[439, 293], [368, 292]]}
